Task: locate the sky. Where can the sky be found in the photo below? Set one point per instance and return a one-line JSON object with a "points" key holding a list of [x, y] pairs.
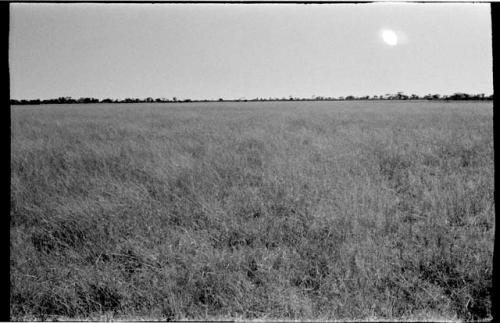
{"points": [[232, 51]]}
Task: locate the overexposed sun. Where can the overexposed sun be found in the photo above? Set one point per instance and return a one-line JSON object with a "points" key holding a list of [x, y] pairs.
{"points": [[389, 37]]}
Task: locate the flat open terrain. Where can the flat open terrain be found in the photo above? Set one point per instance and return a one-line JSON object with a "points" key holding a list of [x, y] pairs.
{"points": [[290, 210]]}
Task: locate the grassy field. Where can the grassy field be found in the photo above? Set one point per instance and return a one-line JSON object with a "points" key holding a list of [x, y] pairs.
{"points": [[258, 210]]}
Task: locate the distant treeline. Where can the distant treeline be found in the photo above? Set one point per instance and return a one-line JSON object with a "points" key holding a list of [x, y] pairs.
{"points": [[397, 96]]}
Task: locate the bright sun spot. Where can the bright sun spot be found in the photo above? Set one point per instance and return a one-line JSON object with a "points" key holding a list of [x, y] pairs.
{"points": [[390, 37]]}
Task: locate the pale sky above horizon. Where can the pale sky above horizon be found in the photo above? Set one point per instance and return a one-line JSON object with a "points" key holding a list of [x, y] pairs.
{"points": [[208, 51]]}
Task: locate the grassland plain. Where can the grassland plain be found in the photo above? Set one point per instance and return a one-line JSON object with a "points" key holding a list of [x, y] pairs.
{"points": [[258, 210]]}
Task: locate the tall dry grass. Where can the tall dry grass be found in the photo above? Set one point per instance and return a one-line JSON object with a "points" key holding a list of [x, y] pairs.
{"points": [[299, 210]]}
